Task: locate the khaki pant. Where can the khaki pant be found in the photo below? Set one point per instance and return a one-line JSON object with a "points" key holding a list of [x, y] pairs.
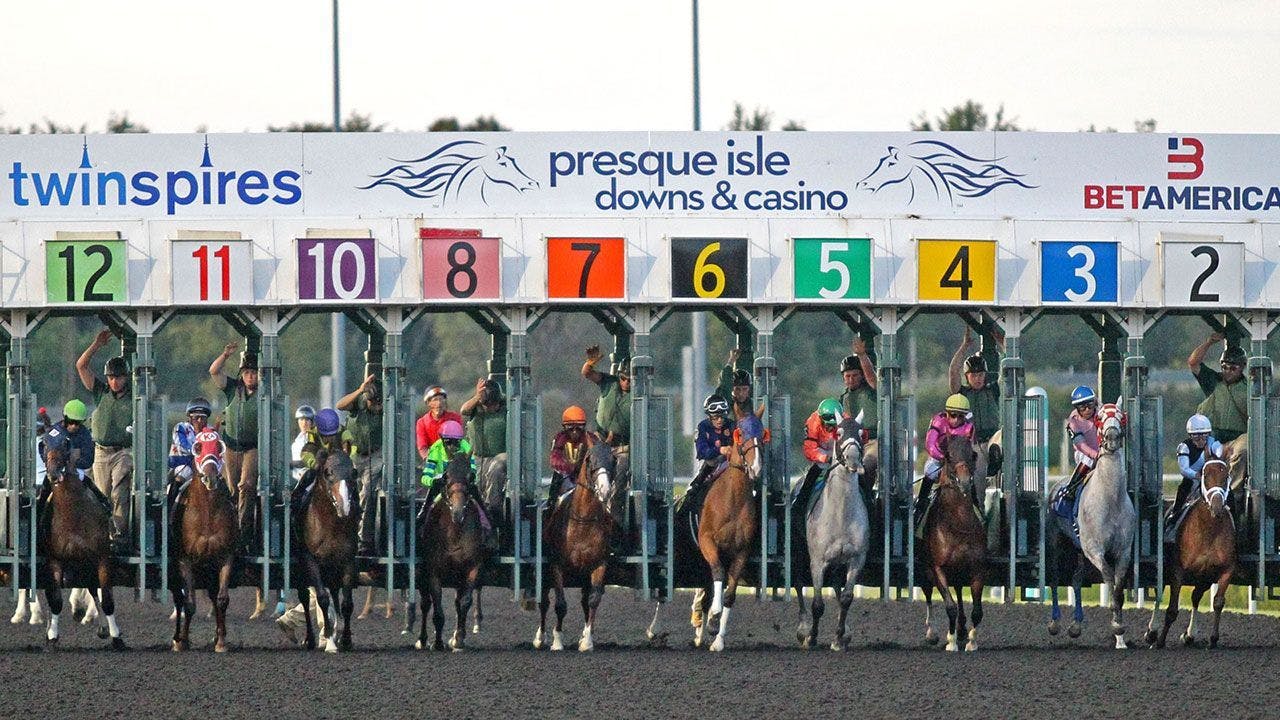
{"points": [[983, 449], [113, 476], [242, 481], [492, 479], [369, 471], [1238, 465]]}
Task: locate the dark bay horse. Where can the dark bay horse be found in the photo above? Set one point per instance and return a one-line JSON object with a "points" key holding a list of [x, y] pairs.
{"points": [[955, 547], [328, 553], [205, 530], [454, 551], [729, 528], [1205, 554], [577, 535], [75, 543]]}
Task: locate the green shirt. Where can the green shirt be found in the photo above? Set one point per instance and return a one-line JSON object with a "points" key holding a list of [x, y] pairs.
{"points": [[112, 416], [862, 399], [985, 406], [365, 426], [438, 459], [613, 412], [487, 430], [241, 428], [1226, 406]]}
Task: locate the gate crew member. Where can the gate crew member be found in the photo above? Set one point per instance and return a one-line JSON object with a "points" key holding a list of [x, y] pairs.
{"points": [[983, 395], [736, 386], [1226, 402], [486, 414], [241, 435], [364, 423], [113, 433], [613, 411], [859, 396]]}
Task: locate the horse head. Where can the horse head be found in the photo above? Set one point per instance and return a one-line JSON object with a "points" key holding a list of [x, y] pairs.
{"points": [[207, 450], [60, 461], [748, 435], [890, 170], [1111, 422], [500, 168], [598, 467], [849, 444], [1215, 484], [457, 475], [338, 474], [957, 456]]}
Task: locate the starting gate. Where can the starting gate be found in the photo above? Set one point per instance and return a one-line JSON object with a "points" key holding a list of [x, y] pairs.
{"points": [[1144, 450]]}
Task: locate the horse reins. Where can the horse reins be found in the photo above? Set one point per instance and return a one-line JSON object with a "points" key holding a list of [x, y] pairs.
{"points": [[1205, 491]]}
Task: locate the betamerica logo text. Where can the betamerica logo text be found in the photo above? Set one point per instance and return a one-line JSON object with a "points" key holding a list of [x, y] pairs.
{"points": [[1186, 161]]}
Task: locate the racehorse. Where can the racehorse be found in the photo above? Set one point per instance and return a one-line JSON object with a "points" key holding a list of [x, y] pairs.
{"points": [[76, 544], [328, 554], [955, 547], [838, 534], [947, 170], [454, 169], [454, 552], [491, 477], [577, 534], [729, 526], [1106, 519], [205, 529], [1206, 554]]}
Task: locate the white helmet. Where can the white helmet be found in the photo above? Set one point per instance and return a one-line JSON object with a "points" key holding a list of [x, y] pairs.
{"points": [[1199, 425]]}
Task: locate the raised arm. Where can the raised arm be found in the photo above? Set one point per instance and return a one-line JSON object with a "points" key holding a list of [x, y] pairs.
{"points": [[955, 371], [868, 370], [82, 363], [215, 367], [1197, 355], [471, 403], [589, 370], [348, 401]]}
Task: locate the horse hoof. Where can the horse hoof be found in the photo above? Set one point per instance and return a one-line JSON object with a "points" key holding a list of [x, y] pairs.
{"points": [[457, 648], [585, 645], [331, 647], [1053, 627], [1150, 637], [528, 604], [971, 646], [931, 636], [309, 644], [840, 645], [78, 613], [364, 615], [219, 647], [718, 644], [345, 644], [103, 633], [475, 629], [1213, 642], [1074, 630], [1188, 640], [118, 644], [1120, 643], [180, 646], [953, 647], [437, 646], [557, 646], [257, 612]]}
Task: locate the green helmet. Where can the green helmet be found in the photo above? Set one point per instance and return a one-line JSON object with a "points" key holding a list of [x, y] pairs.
{"points": [[75, 410], [829, 411]]}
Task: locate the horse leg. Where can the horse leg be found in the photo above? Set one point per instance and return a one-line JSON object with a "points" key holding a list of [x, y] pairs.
{"points": [[348, 605], [817, 606], [53, 598], [1052, 572], [727, 597], [1189, 637], [697, 611], [1119, 574], [368, 604], [304, 599], [1077, 580], [1219, 602], [327, 599], [424, 601], [802, 616], [1152, 635], [437, 611], [562, 607], [220, 604], [940, 580], [592, 607], [1171, 608], [475, 629], [846, 600], [961, 620], [654, 631], [975, 594], [544, 604], [182, 639], [179, 603], [465, 597], [930, 635], [109, 604]]}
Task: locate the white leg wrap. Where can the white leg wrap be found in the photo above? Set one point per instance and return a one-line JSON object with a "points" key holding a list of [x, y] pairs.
{"points": [[112, 626], [717, 597], [53, 627]]}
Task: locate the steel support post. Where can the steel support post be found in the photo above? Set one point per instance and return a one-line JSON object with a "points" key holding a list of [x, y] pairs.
{"points": [[149, 466], [1260, 326], [21, 482], [896, 469], [398, 490], [1013, 322], [775, 493], [273, 444], [1135, 324]]}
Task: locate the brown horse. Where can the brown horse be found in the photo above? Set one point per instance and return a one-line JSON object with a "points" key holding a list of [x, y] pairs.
{"points": [[454, 552], [206, 529], [1205, 554], [729, 527], [955, 545], [577, 534], [329, 536], [76, 543]]}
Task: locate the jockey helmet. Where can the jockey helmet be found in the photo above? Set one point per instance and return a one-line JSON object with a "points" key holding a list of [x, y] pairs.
{"points": [[305, 412], [573, 415], [829, 411], [116, 367], [432, 392], [975, 363], [1199, 425], [741, 378], [248, 360], [1233, 355], [327, 422], [451, 430], [1083, 394], [715, 404], [958, 403], [75, 410], [199, 406]]}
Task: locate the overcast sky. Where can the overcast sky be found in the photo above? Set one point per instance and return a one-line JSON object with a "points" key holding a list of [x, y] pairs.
{"points": [[1207, 66]]}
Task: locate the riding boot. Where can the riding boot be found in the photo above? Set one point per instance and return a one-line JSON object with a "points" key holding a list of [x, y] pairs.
{"points": [[433, 493], [1179, 501], [922, 499]]}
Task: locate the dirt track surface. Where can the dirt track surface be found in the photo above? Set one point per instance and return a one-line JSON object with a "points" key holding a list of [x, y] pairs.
{"points": [[1019, 671]]}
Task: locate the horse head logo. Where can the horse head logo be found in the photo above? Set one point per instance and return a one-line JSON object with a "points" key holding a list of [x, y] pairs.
{"points": [[457, 170], [935, 165]]}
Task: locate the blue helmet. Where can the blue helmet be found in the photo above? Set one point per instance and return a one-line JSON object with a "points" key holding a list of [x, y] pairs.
{"points": [[1082, 394], [327, 422]]}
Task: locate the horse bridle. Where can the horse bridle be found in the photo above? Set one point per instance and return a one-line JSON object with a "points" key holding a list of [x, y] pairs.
{"points": [[1207, 492], [601, 517], [741, 450], [839, 453]]}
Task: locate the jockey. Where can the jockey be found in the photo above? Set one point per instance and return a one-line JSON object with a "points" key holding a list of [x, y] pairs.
{"points": [[713, 444], [1082, 428], [568, 450], [328, 437], [306, 417], [955, 419], [821, 430], [452, 441], [1200, 445], [181, 453], [72, 435]]}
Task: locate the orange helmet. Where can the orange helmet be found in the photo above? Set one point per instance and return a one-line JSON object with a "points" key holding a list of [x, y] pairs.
{"points": [[574, 415]]}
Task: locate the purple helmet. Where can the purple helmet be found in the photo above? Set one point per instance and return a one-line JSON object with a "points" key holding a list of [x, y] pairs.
{"points": [[451, 430], [327, 422]]}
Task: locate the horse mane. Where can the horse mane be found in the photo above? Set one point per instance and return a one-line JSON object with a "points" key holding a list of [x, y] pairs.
{"points": [[964, 174], [433, 174]]}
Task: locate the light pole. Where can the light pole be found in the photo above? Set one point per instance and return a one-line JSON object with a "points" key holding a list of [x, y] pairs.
{"points": [[337, 321], [697, 320]]}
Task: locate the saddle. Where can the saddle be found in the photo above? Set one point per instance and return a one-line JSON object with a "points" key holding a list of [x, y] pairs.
{"points": [[1069, 508]]}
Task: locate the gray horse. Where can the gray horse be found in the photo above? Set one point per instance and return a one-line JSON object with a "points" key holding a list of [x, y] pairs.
{"points": [[1107, 520], [837, 532]]}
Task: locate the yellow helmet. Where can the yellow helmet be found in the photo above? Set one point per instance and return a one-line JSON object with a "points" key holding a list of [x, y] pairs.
{"points": [[958, 403]]}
